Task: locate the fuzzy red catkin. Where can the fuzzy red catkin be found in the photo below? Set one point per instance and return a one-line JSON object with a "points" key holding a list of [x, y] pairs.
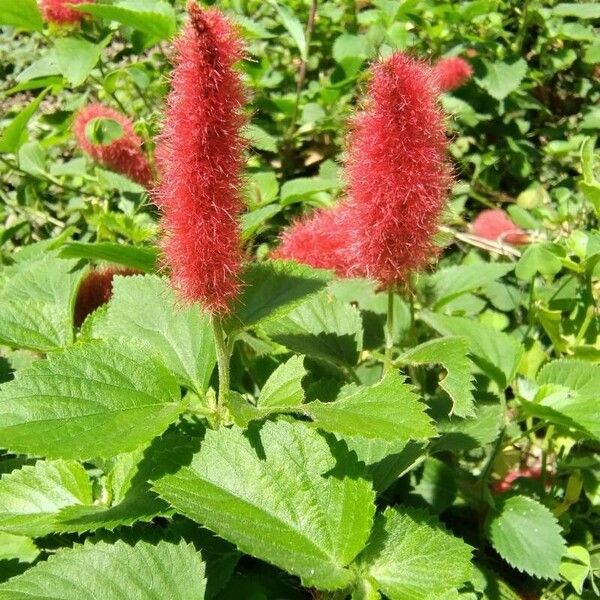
{"points": [[495, 225], [452, 72], [60, 13], [123, 155], [96, 290], [200, 157]]}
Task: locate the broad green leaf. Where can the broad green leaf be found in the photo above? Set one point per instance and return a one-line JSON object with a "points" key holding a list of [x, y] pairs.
{"points": [[31, 497], [574, 392], [180, 336], [115, 181], [539, 258], [527, 536], [17, 546], [23, 14], [252, 221], [575, 567], [103, 131], [259, 138], [502, 78], [303, 187], [350, 51], [582, 10], [15, 134], [451, 282], [113, 572], [437, 485], [294, 27], [323, 327], [153, 17], [32, 158], [388, 410], [76, 58], [284, 386], [451, 353], [272, 289], [410, 556], [275, 501], [36, 304], [97, 399], [495, 353], [136, 257]]}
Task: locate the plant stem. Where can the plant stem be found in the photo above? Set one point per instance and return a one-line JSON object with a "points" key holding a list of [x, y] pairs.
{"points": [[223, 354], [389, 333]]}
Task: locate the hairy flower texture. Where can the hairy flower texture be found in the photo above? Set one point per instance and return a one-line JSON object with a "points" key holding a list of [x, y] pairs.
{"points": [[495, 225], [60, 13], [452, 72], [200, 156], [318, 240], [123, 155], [96, 290]]}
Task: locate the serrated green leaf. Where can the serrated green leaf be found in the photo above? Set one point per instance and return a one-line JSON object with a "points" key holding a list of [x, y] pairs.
{"points": [[272, 289], [323, 327], [256, 502], [451, 282], [388, 410], [24, 14], [181, 336], [495, 353], [527, 536], [539, 258], [152, 17], [15, 133], [113, 572], [36, 304], [502, 78], [284, 386], [76, 58], [410, 556], [97, 399], [136, 257], [31, 497], [451, 353]]}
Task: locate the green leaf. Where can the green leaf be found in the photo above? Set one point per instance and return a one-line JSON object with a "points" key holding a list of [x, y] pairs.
{"points": [[502, 78], [294, 27], [437, 485], [303, 187], [527, 536], [36, 304], [539, 258], [272, 289], [275, 502], [411, 556], [17, 546], [581, 10], [153, 17], [284, 386], [136, 257], [113, 572], [495, 353], [32, 158], [451, 353], [31, 497], [451, 282], [102, 131], [388, 410], [323, 327], [253, 221], [181, 336], [76, 58], [350, 51], [15, 133], [259, 138], [575, 389], [23, 14], [97, 399]]}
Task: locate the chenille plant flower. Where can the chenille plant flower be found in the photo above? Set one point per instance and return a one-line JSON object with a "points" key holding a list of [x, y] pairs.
{"points": [[452, 72], [123, 154], [59, 12], [496, 225]]}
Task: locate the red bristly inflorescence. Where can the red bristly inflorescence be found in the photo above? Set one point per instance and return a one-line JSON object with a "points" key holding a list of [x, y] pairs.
{"points": [[200, 157], [452, 72], [60, 13], [96, 290], [398, 180], [123, 155], [496, 225]]}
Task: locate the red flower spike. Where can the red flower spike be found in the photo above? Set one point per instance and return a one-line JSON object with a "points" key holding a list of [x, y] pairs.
{"points": [[452, 72], [200, 156], [60, 13], [123, 155], [495, 225], [96, 290]]}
